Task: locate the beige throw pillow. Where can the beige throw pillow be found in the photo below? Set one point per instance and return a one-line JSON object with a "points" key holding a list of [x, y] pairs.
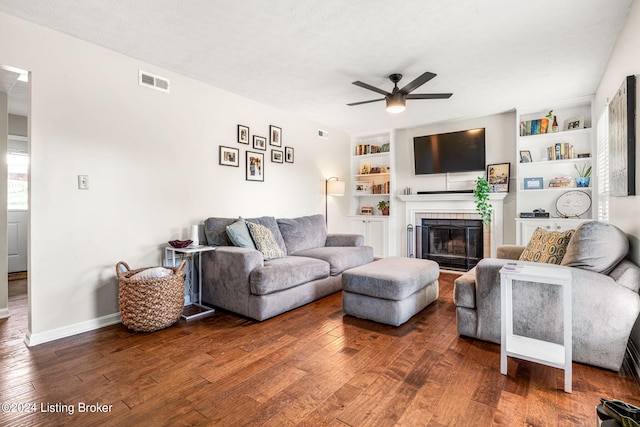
{"points": [[547, 246], [265, 241]]}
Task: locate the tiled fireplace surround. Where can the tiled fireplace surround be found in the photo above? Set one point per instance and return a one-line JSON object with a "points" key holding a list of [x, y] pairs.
{"points": [[456, 206]]}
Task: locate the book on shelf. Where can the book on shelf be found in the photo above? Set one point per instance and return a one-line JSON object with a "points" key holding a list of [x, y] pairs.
{"points": [[561, 151], [534, 127], [560, 181], [380, 188], [362, 149]]}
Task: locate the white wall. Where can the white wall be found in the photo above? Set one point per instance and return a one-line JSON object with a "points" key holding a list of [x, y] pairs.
{"points": [[152, 162], [500, 134], [625, 61]]}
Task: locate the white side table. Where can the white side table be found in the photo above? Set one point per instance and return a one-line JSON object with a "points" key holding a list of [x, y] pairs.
{"points": [[192, 254], [533, 350]]}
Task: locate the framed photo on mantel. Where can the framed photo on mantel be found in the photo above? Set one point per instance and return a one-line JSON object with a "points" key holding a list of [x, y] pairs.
{"points": [[498, 177]]}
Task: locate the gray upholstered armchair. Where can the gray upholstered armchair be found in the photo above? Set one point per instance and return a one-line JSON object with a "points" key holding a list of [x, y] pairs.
{"points": [[605, 297]]}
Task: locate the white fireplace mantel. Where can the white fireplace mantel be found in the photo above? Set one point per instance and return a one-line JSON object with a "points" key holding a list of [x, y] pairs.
{"points": [[456, 203]]}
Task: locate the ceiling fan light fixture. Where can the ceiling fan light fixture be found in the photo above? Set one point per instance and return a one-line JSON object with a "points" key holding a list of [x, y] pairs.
{"points": [[396, 103]]}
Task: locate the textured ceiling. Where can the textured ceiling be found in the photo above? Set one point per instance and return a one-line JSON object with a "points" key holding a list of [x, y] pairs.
{"points": [[302, 55]]}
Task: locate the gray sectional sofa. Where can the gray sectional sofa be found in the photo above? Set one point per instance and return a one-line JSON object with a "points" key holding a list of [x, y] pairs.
{"points": [[240, 280], [605, 297]]}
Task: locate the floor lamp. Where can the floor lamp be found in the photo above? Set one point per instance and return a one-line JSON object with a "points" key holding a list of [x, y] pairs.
{"points": [[332, 187]]}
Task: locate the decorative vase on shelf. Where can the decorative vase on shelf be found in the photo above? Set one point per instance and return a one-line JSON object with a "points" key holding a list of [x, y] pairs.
{"points": [[583, 181], [554, 126]]}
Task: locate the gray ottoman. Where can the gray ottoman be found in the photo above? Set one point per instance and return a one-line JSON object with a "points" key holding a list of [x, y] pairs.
{"points": [[390, 290]]}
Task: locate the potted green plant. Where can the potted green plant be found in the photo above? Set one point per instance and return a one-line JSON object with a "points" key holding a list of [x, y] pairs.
{"points": [[383, 206], [481, 195], [584, 174]]}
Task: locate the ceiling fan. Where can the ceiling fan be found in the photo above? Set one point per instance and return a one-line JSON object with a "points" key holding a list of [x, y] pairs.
{"points": [[397, 99]]}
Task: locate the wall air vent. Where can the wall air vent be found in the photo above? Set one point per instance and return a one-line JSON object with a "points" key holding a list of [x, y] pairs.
{"points": [[153, 81]]}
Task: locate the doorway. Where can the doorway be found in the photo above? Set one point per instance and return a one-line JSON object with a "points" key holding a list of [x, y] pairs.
{"points": [[17, 204], [14, 83]]}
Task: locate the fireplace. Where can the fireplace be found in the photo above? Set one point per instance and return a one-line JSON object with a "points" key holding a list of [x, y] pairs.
{"points": [[451, 205], [455, 244]]}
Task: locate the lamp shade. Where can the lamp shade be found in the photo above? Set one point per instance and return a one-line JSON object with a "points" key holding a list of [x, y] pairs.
{"points": [[335, 188]]}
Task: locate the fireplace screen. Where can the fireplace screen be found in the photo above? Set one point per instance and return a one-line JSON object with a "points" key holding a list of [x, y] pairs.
{"points": [[455, 244]]}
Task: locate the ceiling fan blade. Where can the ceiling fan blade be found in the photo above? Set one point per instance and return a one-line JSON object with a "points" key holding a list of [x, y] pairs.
{"points": [[373, 88], [417, 82], [429, 96], [366, 102]]}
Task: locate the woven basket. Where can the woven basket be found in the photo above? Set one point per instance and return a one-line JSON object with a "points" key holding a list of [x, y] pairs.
{"points": [[148, 305]]}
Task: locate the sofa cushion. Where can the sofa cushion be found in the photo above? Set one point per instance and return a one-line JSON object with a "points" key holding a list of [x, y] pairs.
{"points": [[265, 241], [303, 233], [271, 224], [596, 246], [285, 273], [215, 230], [238, 233], [547, 246], [340, 258], [627, 274]]}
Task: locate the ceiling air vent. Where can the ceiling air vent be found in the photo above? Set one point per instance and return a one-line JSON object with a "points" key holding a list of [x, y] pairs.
{"points": [[153, 81]]}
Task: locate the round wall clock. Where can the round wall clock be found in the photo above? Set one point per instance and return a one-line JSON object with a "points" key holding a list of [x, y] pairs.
{"points": [[573, 203]]}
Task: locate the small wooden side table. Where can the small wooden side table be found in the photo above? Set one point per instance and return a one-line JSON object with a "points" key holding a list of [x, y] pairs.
{"points": [[192, 254], [533, 350]]}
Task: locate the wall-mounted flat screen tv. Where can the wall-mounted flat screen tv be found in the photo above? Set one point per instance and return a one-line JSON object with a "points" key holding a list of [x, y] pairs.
{"points": [[461, 151]]}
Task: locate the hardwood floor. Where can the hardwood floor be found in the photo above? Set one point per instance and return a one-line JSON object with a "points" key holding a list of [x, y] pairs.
{"points": [[312, 366]]}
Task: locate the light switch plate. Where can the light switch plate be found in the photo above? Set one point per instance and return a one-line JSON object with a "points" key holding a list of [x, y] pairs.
{"points": [[83, 182]]}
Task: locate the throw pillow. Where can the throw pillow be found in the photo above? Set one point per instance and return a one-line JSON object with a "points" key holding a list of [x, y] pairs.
{"points": [[152, 273], [596, 246], [265, 241], [547, 246], [239, 234]]}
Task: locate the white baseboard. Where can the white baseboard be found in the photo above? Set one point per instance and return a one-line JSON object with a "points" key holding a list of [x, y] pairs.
{"points": [[55, 334], [4, 313]]}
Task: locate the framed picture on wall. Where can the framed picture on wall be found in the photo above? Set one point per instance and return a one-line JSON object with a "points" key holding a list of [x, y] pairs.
{"points": [[255, 166], [288, 154], [259, 143], [277, 156], [622, 140], [243, 134], [498, 177], [229, 156], [275, 136]]}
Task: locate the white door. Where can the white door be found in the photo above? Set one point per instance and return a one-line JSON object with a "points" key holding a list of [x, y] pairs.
{"points": [[17, 240], [17, 215]]}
